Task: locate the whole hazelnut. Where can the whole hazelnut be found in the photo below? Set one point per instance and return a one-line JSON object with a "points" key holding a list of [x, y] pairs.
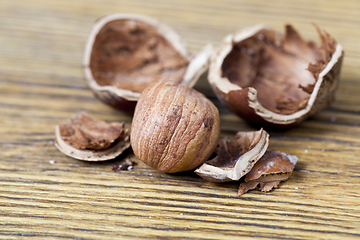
{"points": [[174, 128]]}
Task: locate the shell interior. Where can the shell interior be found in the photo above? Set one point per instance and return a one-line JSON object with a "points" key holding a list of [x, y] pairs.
{"points": [[125, 53], [89, 139], [283, 73]]}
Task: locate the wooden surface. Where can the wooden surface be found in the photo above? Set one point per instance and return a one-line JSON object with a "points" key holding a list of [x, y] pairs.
{"points": [[44, 194]]}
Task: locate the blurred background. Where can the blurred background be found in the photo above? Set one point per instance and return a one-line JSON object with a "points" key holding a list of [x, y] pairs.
{"points": [[46, 36], [45, 193]]}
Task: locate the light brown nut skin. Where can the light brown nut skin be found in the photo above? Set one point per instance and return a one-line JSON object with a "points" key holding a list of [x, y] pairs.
{"points": [[174, 128]]}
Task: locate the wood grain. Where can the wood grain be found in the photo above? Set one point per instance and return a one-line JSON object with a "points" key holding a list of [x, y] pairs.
{"points": [[44, 194]]}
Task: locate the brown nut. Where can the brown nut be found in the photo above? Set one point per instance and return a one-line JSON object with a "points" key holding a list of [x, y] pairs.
{"points": [[272, 80], [125, 53], [235, 157], [86, 138], [269, 171], [174, 128]]}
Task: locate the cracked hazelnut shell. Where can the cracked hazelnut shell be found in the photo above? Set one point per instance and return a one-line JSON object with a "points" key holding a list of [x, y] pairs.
{"points": [[235, 157], [86, 138], [269, 171], [125, 53], [273, 80], [174, 128]]}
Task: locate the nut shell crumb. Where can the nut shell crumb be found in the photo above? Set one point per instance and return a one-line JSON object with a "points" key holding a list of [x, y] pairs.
{"points": [[127, 165]]}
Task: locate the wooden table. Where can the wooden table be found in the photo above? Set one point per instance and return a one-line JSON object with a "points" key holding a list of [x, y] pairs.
{"points": [[44, 194]]}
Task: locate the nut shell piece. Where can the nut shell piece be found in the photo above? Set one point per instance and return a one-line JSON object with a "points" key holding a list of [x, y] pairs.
{"points": [[275, 81], [125, 53], [85, 138], [235, 157], [269, 171], [174, 128]]}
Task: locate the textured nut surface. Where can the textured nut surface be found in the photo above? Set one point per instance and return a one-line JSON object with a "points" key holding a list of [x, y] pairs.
{"points": [[174, 128], [273, 80]]}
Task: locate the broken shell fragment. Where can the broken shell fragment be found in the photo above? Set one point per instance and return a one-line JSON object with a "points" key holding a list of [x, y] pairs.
{"points": [[269, 171], [235, 157], [125, 53], [272, 80], [85, 138]]}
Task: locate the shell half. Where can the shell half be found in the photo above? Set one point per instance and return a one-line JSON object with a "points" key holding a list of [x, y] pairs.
{"points": [[274, 80], [125, 53]]}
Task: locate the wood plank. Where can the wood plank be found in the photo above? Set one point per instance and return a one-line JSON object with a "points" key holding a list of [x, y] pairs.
{"points": [[44, 194]]}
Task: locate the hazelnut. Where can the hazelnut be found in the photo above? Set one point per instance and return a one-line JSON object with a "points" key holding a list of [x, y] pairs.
{"points": [[87, 138], [269, 171], [272, 80], [235, 157], [174, 127], [125, 53]]}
